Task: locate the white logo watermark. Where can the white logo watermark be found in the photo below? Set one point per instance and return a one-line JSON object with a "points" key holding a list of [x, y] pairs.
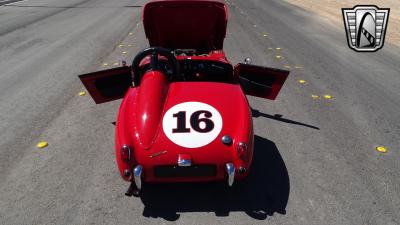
{"points": [[365, 27]]}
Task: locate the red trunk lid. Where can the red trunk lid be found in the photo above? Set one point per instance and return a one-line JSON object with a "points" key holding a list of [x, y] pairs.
{"points": [[190, 122], [190, 24], [228, 112]]}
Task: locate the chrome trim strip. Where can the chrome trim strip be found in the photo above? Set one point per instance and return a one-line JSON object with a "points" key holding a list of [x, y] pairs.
{"points": [[157, 154]]}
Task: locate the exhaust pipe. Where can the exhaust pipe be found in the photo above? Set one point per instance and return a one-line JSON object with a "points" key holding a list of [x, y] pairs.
{"points": [[230, 170], [132, 190]]}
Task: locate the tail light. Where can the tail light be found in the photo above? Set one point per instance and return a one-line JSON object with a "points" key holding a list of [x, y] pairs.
{"points": [[242, 150], [126, 153]]}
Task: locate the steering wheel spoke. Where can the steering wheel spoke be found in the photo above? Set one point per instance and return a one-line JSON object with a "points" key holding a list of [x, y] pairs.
{"points": [[154, 61]]}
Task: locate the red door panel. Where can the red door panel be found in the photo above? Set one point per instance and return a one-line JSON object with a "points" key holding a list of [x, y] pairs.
{"points": [[263, 82], [107, 85]]}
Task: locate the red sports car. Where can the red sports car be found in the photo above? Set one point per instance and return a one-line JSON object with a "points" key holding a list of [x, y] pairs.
{"points": [[184, 116]]}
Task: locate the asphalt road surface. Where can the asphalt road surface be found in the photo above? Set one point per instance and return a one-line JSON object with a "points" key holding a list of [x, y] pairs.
{"points": [[315, 158]]}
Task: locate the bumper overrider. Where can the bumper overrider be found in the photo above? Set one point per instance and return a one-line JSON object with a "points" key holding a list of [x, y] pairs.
{"points": [[230, 171]]}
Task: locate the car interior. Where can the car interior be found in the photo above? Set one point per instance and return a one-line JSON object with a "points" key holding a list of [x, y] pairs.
{"points": [[191, 69]]}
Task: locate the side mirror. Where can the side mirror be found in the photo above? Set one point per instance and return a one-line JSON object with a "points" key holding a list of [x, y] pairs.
{"points": [[107, 85], [263, 82]]}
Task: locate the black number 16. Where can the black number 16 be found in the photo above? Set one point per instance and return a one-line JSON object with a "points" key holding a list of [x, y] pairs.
{"points": [[194, 122]]}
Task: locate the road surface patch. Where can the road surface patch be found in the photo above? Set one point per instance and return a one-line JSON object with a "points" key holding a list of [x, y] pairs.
{"points": [[5, 2]]}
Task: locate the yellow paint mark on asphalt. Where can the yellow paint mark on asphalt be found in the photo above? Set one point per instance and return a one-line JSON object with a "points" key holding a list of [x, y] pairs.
{"points": [[124, 52], [278, 57], [298, 67], [302, 82], [120, 46], [287, 66], [129, 45], [105, 64], [278, 49], [82, 93], [116, 64], [265, 35], [382, 149], [328, 96], [269, 48], [42, 144], [130, 33], [315, 96]]}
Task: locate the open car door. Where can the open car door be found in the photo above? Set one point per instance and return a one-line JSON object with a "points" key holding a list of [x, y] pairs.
{"points": [[108, 85], [263, 82]]}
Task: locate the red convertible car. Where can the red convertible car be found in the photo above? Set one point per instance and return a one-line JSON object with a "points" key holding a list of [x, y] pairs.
{"points": [[184, 116]]}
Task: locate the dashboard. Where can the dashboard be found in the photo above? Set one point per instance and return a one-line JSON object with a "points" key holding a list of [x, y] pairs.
{"points": [[198, 70], [206, 70]]}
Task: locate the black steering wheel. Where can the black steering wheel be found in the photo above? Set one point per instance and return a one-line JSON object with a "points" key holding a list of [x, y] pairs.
{"points": [[154, 62]]}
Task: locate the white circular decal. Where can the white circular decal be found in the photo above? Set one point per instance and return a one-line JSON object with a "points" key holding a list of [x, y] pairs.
{"points": [[192, 124]]}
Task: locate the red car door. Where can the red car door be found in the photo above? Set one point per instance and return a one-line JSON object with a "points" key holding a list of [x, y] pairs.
{"points": [[263, 82], [108, 85]]}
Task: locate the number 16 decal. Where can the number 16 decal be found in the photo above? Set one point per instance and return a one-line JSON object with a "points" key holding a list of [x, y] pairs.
{"points": [[192, 124]]}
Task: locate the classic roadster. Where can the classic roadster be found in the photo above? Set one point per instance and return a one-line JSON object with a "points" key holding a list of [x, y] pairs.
{"points": [[184, 116]]}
